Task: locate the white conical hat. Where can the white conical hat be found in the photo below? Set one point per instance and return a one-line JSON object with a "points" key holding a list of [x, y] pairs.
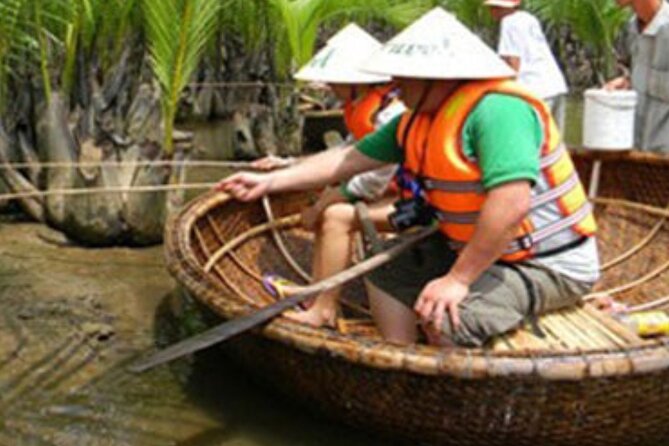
{"points": [[438, 46], [339, 62]]}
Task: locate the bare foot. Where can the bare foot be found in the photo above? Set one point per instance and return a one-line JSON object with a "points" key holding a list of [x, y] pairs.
{"points": [[314, 316]]}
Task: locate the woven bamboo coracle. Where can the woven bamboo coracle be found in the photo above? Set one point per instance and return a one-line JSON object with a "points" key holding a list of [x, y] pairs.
{"points": [[590, 381]]}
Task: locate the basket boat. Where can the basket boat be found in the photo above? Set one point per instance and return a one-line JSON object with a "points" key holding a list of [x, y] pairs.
{"points": [[590, 381]]}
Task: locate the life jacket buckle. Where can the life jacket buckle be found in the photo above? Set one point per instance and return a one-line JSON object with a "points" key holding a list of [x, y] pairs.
{"points": [[525, 242]]}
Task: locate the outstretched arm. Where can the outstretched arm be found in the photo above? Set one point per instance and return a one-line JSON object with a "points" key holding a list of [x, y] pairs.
{"points": [[316, 171]]}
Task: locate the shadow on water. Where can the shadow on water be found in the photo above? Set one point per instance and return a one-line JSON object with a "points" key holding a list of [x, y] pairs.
{"points": [[250, 413]]}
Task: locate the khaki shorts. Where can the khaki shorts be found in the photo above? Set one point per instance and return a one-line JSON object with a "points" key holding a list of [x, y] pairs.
{"points": [[498, 301]]}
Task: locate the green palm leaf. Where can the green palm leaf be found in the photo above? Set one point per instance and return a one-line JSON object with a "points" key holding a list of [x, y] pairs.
{"points": [[596, 23], [178, 32], [300, 20]]}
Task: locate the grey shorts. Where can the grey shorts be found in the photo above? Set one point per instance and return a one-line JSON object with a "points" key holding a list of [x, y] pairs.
{"points": [[498, 301]]}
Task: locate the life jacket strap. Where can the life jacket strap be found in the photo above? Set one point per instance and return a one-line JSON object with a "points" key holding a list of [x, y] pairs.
{"points": [[532, 239], [555, 192]]}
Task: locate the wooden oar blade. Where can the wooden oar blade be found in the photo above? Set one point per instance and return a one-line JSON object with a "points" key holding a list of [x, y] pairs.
{"points": [[233, 327], [217, 334]]}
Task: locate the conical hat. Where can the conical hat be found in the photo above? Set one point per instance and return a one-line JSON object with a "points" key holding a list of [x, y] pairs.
{"points": [[438, 46], [339, 62]]}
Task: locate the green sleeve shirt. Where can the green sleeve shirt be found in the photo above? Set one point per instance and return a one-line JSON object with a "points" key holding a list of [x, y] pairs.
{"points": [[502, 133]]}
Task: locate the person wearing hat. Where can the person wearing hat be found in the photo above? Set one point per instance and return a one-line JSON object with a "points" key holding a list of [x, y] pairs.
{"points": [[648, 45], [370, 101], [483, 156], [523, 45]]}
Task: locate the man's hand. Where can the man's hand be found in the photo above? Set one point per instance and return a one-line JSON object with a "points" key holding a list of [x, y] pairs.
{"points": [[438, 296], [245, 186], [619, 83]]}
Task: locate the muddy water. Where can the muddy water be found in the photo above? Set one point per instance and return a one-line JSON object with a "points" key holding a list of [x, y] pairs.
{"points": [[72, 318]]}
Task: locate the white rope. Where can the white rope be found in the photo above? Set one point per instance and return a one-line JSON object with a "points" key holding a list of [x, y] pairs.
{"points": [[105, 190], [156, 163]]}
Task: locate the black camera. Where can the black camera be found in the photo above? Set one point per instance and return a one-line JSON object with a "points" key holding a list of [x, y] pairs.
{"points": [[411, 212]]}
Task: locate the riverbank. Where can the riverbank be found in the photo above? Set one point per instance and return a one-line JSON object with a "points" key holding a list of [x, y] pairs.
{"points": [[73, 318]]}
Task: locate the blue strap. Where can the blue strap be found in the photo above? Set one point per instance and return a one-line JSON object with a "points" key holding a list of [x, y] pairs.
{"points": [[408, 182]]}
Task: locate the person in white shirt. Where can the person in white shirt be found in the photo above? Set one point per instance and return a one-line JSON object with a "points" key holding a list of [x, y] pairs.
{"points": [[523, 45]]}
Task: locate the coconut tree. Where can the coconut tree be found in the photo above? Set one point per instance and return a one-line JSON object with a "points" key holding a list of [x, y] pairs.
{"points": [[301, 20], [471, 13], [596, 23], [178, 32], [12, 37]]}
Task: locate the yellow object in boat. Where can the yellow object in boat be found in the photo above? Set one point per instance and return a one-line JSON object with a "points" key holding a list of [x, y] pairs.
{"points": [[648, 323]]}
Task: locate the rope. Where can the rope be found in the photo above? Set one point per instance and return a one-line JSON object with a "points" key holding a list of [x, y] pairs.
{"points": [[156, 163], [241, 84], [258, 84], [105, 190]]}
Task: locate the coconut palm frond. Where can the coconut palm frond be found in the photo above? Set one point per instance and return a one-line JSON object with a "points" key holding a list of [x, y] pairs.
{"points": [[12, 35], [598, 27], [178, 32], [302, 19], [245, 18], [397, 13], [470, 12]]}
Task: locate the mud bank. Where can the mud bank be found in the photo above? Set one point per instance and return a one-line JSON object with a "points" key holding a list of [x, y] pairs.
{"points": [[73, 318]]}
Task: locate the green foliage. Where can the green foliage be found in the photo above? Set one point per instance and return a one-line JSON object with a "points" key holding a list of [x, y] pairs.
{"points": [[596, 23], [299, 21], [244, 18], [470, 12], [178, 32], [12, 38]]}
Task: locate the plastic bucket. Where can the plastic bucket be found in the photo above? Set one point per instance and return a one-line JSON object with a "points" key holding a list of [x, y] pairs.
{"points": [[608, 119]]}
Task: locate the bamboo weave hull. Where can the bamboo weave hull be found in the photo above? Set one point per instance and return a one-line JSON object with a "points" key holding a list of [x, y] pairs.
{"points": [[522, 394]]}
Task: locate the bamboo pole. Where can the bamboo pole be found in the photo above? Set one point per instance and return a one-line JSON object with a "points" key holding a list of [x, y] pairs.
{"points": [[657, 303], [278, 240], [628, 286], [636, 248], [290, 220], [649, 209]]}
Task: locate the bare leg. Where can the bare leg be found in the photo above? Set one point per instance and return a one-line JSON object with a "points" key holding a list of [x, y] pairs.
{"points": [[395, 321], [332, 254]]}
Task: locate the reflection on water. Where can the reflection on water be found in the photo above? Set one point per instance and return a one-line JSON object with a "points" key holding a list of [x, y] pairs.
{"points": [[73, 318], [573, 132]]}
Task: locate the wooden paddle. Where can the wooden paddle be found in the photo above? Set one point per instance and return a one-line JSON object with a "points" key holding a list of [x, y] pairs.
{"points": [[231, 328]]}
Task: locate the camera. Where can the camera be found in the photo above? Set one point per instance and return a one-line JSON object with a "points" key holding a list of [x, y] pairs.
{"points": [[411, 212]]}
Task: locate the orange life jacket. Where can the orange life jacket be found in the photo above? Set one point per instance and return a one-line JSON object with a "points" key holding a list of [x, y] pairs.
{"points": [[360, 114], [451, 180]]}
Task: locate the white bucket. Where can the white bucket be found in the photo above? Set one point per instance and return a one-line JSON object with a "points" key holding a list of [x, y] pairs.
{"points": [[608, 119]]}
